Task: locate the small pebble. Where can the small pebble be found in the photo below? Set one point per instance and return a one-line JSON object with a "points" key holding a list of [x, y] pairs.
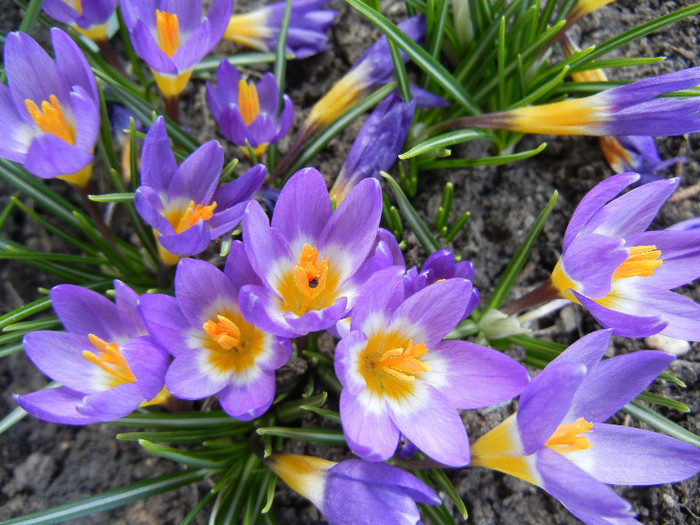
{"points": [[667, 344]]}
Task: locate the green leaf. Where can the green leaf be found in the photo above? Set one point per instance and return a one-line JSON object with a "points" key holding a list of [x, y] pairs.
{"points": [[434, 69], [428, 241], [482, 161], [31, 16], [400, 72], [188, 420], [180, 436], [238, 60], [111, 498], [280, 68], [516, 264], [657, 399], [112, 197], [446, 485], [292, 410], [191, 459], [659, 422], [446, 140], [326, 436]]}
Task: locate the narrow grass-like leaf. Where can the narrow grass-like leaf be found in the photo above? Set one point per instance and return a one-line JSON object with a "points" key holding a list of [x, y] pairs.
{"points": [[614, 63], [31, 16], [446, 485], [330, 415], [280, 67], [29, 326], [446, 140], [191, 459], [516, 264], [419, 56], [25, 311], [189, 420], [292, 410], [179, 436], [326, 436], [112, 197], [400, 71], [457, 226], [111, 498], [657, 399], [192, 514], [661, 423], [129, 49], [482, 161], [230, 501], [427, 239]]}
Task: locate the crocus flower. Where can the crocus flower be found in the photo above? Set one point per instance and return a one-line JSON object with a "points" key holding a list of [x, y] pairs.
{"points": [[399, 377], [625, 152], [106, 363], [49, 110], [380, 139], [633, 109], [309, 259], [87, 17], [558, 441], [216, 351], [623, 274], [306, 36], [182, 203], [583, 8], [248, 113], [171, 36], [355, 491]]}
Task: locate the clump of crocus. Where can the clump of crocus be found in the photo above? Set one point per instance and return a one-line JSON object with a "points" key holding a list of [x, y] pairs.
{"points": [[400, 378], [625, 152], [622, 273], [171, 37], [307, 33], [182, 203], [247, 113], [633, 109], [310, 260], [558, 439], [50, 110], [373, 69], [216, 351], [88, 17], [105, 362], [355, 491]]}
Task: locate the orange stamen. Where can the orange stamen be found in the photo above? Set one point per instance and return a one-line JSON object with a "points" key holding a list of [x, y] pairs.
{"points": [[109, 359], [248, 101], [51, 119], [566, 437], [224, 332], [193, 214], [641, 262], [404, 363], [168, 30], [310, 278]]}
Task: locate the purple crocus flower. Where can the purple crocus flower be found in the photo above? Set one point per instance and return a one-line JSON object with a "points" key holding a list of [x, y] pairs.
{"points": [[355, 491], [171, 36], [106, 363], [633, 109], [380, 139], [307, 34], [558, 441], [216, 351], [49, 110], [400, 377], [247, 113], [625, 152], [182, 203], [311, 260], [88, 17], [623, 274]]}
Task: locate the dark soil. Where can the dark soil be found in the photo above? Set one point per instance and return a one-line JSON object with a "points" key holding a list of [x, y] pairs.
{"points": [[42, 464]]}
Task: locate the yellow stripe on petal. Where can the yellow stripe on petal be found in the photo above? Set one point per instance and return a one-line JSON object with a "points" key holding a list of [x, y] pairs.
{"points": [[342, 96], [172, 85], [95, 33], [568, 117], [248, 102], [79, 178], [563, 283], [250, 30], [168, 31], [304, 474]]}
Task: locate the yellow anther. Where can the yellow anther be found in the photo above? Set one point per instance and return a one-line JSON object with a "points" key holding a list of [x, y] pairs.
{"points": [[404, 363], [248, 101], [51, 119], [192, 215], [641, 262], [309, 276], [566, 438], [224, 331], [168, 30], [109, 359]]}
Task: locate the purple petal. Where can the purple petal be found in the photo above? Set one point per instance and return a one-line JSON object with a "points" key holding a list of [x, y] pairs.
{"points": [[614, 382], [268, 93], [545, 403], [158, 164], [381, 295], [260, 307], [14, 143], [478, 377], [587, 351], [113, 403], [87, 119], [165, 322], [241, 189], [148, 362], [680, 252], [201, 287], [72, 65], [191, 241], [317, 320], [368, 429], [303, 208], [56, 405], [626, 325], [147, 48], [150, 208], [450, 445], [226, 221], [192, 376], [607, 252], [246, 402], [238, 268], [49, 156], [198, 175], [630, 456], [346, 359], [84, 312], [127, 303]]}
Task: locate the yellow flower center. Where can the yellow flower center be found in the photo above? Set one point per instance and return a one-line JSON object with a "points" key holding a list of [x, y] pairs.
{"points": [[109, 359], [75, 4], [168, 31], [51, 119], [233, 343], [311, 285], [390, 364], [641, 262], [182, 221], [567, 438], [248, 101]]}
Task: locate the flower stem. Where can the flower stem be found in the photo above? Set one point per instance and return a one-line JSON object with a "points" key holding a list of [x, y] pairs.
{"points": [[545, 292]]}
